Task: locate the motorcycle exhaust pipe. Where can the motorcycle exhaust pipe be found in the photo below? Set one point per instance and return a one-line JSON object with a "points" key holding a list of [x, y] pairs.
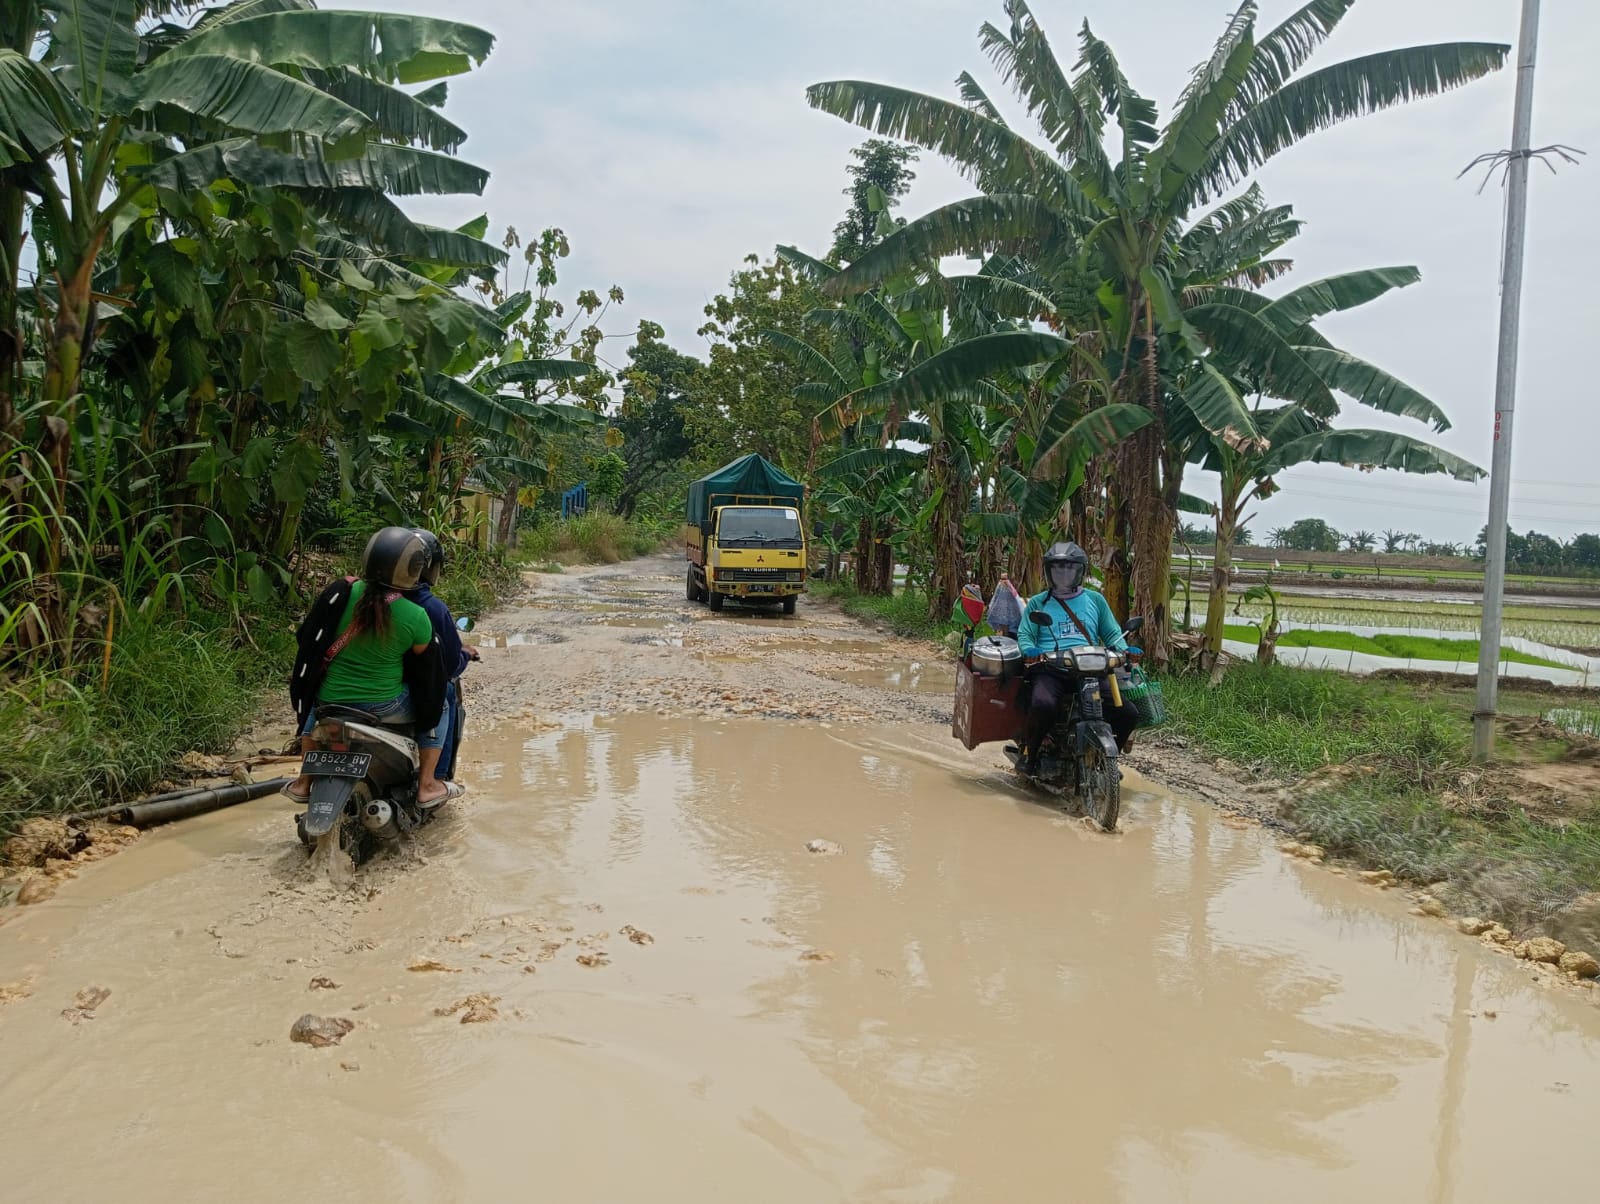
{"points": [[378, 818]]}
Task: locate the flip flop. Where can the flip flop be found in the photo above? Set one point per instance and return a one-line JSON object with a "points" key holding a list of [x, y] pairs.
{"points": [[452, 791], [303, 799]]}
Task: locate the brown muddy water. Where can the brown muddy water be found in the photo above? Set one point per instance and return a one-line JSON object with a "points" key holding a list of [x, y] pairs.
{"points": [[975, 999]]}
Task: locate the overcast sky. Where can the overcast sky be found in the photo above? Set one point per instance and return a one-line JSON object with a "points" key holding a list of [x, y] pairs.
{"points": [[670, 138]]}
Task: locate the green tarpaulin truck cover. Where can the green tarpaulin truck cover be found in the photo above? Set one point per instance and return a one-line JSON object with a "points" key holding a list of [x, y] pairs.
{"points": [[749, 478]]}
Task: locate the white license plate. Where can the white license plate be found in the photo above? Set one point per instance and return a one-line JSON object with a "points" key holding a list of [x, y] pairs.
{"points": [[335, 764]]}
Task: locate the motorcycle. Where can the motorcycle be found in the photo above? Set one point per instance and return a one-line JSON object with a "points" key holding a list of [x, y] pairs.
{"points": [[364, 778], [1080, 753]]}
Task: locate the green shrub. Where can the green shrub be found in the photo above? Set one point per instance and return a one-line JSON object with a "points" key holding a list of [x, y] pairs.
{"points": [[593, 538], [173, 685]]}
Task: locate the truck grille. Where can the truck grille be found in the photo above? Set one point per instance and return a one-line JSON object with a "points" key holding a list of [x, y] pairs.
{"points": [[759, 575]]}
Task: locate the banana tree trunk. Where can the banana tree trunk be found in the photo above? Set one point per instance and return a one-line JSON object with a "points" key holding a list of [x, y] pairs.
{"points": [[1153, 519], [1113, 535], [1221, 578], [883, 567], [71, 333], [1027, 563], [508, 514], [949, 542], [11, 214], [863, 557]]}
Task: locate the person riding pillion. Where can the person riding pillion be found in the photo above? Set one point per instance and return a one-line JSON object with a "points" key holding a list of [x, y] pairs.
{"points": [[454, 655], [365, 645], [1078, 616]]}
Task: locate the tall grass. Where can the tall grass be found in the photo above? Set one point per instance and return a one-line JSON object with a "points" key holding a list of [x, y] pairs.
{"points": [[1289, 722], [173, 685], [905, 612], [593, 538], [125, 642]]}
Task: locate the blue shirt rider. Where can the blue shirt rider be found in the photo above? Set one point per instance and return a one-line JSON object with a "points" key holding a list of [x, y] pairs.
{"points": [[455, 656], [1065, 565]]}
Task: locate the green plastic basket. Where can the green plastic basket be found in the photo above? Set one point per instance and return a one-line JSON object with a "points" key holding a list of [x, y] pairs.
{"points": [[1145, 697]]}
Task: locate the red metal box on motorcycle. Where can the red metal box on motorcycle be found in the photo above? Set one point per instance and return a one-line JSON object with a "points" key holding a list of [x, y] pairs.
{"points": [[987, 708]]}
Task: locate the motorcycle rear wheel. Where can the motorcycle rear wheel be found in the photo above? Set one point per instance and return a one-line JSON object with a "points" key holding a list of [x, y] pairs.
{"points": [[1100, 788]]}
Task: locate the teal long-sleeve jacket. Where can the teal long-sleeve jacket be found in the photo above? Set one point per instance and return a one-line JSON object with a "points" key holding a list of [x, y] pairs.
{"points": [[1092, 610]]}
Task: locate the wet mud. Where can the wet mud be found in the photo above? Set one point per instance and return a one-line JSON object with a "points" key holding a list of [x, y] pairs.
{"points": [[714, 954]]}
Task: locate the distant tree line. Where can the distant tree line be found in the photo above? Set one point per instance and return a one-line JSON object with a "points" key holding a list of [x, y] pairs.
{"points": [[1533, 552]]}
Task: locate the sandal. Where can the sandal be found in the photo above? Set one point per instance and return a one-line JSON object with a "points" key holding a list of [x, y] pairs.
{"points": [[452, 791], [303, 799]]}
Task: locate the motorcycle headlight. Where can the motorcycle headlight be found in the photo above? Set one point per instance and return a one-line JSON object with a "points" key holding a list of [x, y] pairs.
{"points": [[1089, 660]]}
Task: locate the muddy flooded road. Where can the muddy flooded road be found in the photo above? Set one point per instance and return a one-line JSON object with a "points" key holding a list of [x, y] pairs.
{"points": [[617, 971]]}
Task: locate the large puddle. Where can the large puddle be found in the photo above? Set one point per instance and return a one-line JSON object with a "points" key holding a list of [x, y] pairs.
{"points": [[977, 999]]}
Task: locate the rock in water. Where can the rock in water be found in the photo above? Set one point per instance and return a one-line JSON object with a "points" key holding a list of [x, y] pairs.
{"points": [[1583, 965], [320, 1031], [826, 848], [1429, 906], [84, 1005]]}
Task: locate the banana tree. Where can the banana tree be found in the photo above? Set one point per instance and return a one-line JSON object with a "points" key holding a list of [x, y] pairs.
{"points": [[1270, 349], [1285, 437], [111, 97], [1072, 201]]}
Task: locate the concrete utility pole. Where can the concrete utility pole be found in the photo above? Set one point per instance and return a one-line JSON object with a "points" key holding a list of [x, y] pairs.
{"points": [[1505, 388]]}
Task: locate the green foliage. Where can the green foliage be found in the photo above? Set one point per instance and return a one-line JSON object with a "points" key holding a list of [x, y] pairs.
{"points": [[1307, 535], [905, 612], [173, 685], [880, 176], [1290, 722], [1115, 214], [745, 399], [1374, 762], [593, 538]]}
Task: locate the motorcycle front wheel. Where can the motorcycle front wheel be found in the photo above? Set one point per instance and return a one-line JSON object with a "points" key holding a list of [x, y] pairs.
{"points": [[1100, 788]]}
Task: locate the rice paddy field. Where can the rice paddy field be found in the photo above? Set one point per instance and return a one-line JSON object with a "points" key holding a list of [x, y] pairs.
{"points": [[1572, 628]]}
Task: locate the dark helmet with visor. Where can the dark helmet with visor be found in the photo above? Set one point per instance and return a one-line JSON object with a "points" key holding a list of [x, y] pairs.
{"points": [[395, 557], [435, 565], [1065, 565]]}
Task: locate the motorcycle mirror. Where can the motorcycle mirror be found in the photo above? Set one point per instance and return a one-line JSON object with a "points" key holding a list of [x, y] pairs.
{"points": [[1134, 625], [1040, 620], [464, 623]]}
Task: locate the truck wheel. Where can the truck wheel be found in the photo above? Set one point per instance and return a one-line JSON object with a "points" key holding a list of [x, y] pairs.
{"points": [[691, 591], [715, 599], [789, 603]]}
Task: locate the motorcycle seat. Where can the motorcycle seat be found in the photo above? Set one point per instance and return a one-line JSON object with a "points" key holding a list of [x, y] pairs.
{"points": [[333, 710]]}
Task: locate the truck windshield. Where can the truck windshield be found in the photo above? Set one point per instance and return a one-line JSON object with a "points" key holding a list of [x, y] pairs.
{"points": [[759, 526]]}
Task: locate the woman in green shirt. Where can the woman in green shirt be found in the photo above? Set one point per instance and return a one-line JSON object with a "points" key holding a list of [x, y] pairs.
{"points": [[361, 661]]}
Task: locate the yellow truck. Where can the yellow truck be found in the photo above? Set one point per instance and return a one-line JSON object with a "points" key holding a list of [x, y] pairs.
{"points": [[744, 539]]}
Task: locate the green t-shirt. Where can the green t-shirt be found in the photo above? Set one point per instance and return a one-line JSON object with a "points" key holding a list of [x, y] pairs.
{"points": [[368, 669]]}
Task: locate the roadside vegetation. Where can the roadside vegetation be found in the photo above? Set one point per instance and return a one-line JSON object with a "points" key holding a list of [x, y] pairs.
{"points": [[1378, 772], [597, 538], [904, 612]]}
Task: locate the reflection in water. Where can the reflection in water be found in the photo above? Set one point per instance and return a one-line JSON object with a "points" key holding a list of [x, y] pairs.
{"points": [[978, 999], [1015, 1003]]}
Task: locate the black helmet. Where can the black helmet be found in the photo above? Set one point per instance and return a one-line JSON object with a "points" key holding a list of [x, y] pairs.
{"points": [[396, 557], [435, 565], [1064, 567]]}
